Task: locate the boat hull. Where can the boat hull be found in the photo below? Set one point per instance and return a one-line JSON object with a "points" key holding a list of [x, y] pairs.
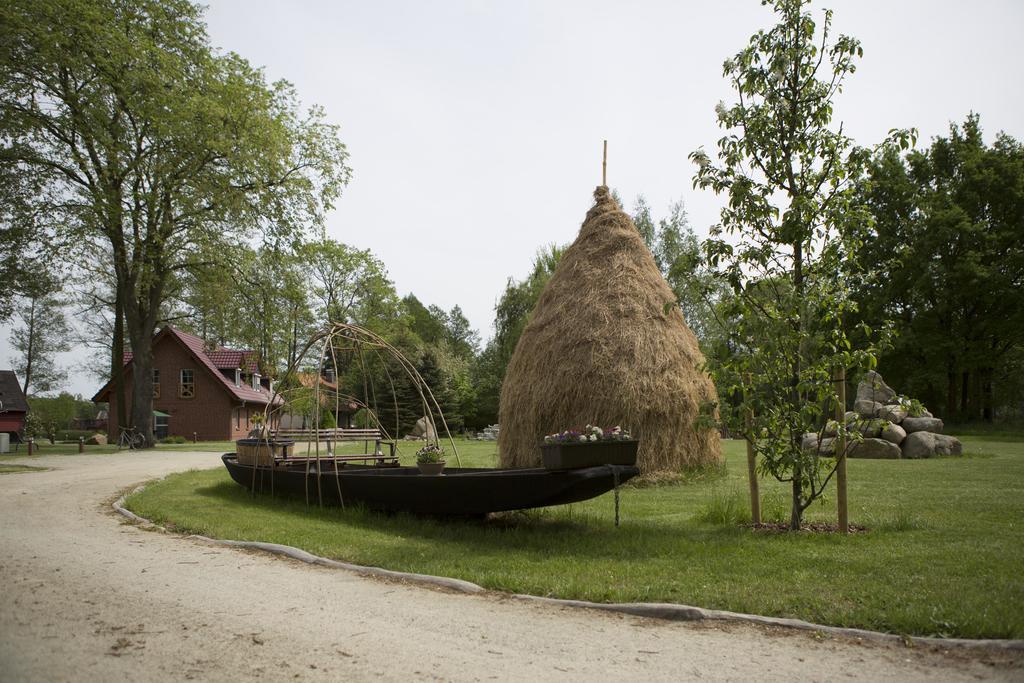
{"points": [[459, 491]]}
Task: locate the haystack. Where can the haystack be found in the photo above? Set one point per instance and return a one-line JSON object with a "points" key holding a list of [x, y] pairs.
{"points": [[601, 349]]}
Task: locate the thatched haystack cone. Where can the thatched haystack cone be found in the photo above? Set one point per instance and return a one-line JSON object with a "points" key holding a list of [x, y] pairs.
{"points": [[600, 349]]}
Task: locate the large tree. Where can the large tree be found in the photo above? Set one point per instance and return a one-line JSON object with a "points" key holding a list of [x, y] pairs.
{"points": [[786, 242], [949, 238], [41, 333], [148, 142], [349, 285]]}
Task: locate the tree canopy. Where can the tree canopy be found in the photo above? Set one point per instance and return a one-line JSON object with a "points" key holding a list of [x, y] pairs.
{"points": [[947, 239], [787, 242], [144, 142]]}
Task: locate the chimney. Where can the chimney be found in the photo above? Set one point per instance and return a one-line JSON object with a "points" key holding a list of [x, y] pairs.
{"points": [[329, 375], [238, 377], [256, 381]]}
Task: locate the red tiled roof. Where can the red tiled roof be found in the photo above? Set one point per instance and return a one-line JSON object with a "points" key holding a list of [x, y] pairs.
{"points": [[198, 348], [223, 359], [229, 359], [215, 361]]}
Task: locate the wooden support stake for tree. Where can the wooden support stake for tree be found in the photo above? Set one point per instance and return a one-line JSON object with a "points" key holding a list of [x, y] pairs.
{"points": [[755, 493], [604, 165], [844, 519]]}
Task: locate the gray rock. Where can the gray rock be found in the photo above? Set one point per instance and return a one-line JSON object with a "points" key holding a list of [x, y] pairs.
{"points": [[810, 444], [894, 433], [918, 445], [947, 445], [927, 444], [926, 413], [424, 429], [850, 416], [893, 413], [866, 408], [922, 424], [873, 388], [831, 428], [876, 449]]}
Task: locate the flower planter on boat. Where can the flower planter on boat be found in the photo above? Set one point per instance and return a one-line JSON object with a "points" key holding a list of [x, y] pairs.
{"points": [[568, 456], [262, 451], [431, 469]]}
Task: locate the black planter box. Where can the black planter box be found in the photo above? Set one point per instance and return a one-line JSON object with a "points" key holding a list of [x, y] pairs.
{"points": [[570, 456]]}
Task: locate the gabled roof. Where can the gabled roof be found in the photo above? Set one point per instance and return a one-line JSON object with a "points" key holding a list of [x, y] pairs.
{"points": [[223, 359], [229, 359], [11, 396], [198, 350]]}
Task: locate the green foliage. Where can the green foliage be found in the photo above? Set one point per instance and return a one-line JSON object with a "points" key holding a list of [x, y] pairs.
{"points": [[327, 420], [947, 238], [794, 221], [349, 285], [149, 148], [41, 334], [53, 416], [35, 426], [913, 406], [174, 439]]}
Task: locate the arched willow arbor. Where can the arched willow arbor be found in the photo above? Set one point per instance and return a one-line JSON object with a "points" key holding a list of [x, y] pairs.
{"points": [[365, 355]]}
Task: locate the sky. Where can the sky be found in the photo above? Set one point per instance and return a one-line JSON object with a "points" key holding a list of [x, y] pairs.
{"points": [[475, 128]]}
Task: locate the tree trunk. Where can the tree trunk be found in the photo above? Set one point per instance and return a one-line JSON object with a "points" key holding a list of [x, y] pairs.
{"points": [[965, 384], [117, 360], [30, 352], [796, 513], [987, 394], [950, 392]]}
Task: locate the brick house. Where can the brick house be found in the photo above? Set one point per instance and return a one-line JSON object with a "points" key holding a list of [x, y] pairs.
{"points": [[13, 405], [197, 389]]}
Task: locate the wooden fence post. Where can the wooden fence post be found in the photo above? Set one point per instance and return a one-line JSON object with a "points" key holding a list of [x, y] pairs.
{"points": [[844, 519], [755, 494]]}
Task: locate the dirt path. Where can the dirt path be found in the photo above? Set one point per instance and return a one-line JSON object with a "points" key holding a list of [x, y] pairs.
{"points": [[85, 596]]}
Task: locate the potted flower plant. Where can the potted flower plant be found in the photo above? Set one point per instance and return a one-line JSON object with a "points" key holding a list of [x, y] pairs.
{"points": [[430, 459], [589, 447]]}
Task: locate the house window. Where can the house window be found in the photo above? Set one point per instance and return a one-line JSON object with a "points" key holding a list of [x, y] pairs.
{"points": [[187, 384], [156, 383]]}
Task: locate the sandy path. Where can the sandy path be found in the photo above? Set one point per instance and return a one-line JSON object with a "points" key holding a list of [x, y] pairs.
{"points": [[84, 596]]}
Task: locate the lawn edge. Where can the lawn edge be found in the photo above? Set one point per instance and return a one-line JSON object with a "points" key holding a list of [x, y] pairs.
{"points": [[652, 610]]}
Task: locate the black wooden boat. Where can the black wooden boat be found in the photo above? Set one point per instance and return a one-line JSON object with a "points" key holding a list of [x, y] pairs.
{"points": [[459, 491]]}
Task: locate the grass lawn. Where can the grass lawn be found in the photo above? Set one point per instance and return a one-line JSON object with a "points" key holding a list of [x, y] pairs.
{"points": [[944, 554]]}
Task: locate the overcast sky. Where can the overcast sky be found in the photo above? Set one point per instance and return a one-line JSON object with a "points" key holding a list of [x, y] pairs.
{"points": [[475, 128]]}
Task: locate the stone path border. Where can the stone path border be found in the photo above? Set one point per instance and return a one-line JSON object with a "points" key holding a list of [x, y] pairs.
{"points": [[654, 610]]}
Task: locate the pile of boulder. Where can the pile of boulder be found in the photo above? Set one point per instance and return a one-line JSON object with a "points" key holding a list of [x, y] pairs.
{"points": [[489, 433], [892, 426]]}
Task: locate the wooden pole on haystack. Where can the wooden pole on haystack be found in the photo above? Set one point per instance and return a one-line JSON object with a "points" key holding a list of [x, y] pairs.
{"points": [[604, 165], [844, 519], [755, 493]]}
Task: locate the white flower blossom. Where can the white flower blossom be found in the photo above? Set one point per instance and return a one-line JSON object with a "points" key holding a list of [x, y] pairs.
{"points": [[582, 438], [720, 109], [593, 437]]}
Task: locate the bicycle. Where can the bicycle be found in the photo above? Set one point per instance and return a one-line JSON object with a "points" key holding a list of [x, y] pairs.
{"points": [[131, 439]]}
